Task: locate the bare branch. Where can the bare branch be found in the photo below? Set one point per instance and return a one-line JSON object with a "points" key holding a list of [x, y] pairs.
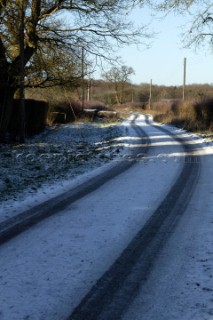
{"points": [[201, 12]]}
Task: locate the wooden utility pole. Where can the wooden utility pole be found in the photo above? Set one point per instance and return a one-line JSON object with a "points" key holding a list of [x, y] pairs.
{"points": [[82, 76], [184, 77], [150, 94], [88, 84]]}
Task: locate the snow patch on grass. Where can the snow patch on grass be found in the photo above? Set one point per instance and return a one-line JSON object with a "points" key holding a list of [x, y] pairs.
{"points": [[53, 160]]}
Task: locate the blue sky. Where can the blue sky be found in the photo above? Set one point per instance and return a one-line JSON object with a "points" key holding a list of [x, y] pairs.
{"points": [[163, 62]]}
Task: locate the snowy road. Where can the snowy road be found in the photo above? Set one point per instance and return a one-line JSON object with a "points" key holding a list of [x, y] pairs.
{"points": [[46, 271]]}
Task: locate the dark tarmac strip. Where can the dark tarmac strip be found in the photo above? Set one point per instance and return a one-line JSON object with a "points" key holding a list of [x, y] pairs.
{"points": [[116, 289], [23, 221]]}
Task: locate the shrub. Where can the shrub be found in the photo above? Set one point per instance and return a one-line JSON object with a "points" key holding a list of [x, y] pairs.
{"points": [[35, 117], [189, 115], [204, 113], [69, 110]]}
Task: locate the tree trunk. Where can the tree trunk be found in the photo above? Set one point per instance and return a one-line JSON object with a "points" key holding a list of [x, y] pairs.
{"points": [[6, 109], [116, 97]]}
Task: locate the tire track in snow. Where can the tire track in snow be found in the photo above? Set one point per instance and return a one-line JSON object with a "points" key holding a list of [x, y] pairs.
{"points": [[115, 290]]}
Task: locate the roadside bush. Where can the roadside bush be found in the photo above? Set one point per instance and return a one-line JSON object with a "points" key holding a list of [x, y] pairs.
{"points": [[166, 106], [35, 117], [190, 115], [131, 106], [164, 111], [69, 110], [204, 113], [94, 104], [64, 110]]}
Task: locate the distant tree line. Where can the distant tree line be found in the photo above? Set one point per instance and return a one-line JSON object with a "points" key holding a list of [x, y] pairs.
{"points": [[104, 91]]}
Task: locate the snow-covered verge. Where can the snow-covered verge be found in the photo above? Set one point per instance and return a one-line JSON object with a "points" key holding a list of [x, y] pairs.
{"points": [[61, 152], [51, 162]]}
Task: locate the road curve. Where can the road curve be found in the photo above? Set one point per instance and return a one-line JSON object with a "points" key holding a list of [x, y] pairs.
{"points": [[113, 292], [23, 221]]}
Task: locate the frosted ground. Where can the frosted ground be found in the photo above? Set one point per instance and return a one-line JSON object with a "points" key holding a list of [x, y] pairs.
{"points": [[55, 157], [47, 270]]}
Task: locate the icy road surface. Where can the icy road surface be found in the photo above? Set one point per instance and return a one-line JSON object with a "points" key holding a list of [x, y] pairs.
{"points": [[46, 271]]}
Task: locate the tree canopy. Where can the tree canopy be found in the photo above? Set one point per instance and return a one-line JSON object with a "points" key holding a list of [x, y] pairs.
{"points": [[53, 34], [119, 77], [62, 26]]}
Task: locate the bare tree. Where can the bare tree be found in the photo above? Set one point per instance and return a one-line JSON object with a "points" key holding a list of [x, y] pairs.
{"points": [[54, 31], [119, 77], [200, 19]]}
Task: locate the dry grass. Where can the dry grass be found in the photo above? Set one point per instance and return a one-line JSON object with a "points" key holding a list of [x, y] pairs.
{"points": [[190, 115]]}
